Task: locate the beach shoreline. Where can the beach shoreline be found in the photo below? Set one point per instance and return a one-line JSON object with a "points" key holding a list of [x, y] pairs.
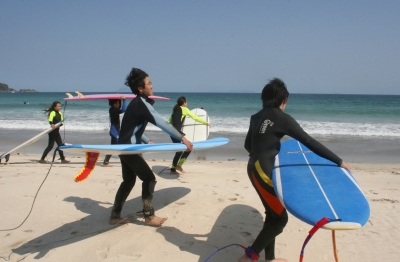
{"points": [[350, 148], [209, 207]]}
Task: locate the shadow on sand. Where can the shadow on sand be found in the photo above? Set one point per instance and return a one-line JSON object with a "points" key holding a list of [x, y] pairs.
{"points": [[95, 223], [237, 224]]}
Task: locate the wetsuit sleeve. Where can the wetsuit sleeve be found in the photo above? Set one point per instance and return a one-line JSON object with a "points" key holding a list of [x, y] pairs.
{"points": [[145, 139], [187, 112], [170, 120], [294, 130], [157, 120], [123, 109], [247, 142], [51, 117]]}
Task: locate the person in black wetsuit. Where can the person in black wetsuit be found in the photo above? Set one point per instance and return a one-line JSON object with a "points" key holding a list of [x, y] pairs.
{"points": [[114, 112], [266, 129], [179, 113], [55, 116], [138, 113]]}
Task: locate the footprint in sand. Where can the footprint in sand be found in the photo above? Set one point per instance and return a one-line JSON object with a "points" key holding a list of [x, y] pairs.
{"points": [[232, 199], [180, 203]]}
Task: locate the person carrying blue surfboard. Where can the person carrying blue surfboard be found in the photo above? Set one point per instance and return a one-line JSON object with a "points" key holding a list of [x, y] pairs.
{"points": [[138, 113], [266, 129], [179, 113], [55, 116], [114, 112]]}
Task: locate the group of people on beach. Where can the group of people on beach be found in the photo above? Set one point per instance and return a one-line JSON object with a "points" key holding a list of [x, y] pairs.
{"points": [[262, 142]]}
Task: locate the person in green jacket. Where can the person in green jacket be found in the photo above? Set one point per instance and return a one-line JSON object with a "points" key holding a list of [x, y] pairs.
{"points": [[55, 116], [179, 113]]}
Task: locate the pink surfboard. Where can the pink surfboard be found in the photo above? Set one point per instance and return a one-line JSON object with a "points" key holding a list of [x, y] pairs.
{"points": [[107, 96]]}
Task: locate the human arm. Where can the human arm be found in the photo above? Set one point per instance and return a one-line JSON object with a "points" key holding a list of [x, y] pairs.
{"points": [[187, 112], [247, 142], [294, 130], [123, 107]]}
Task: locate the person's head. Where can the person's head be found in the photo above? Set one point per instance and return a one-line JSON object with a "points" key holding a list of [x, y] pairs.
{"points": [[139, 82], [56, 106], [180, 102], [115, 103], [274, 94]]}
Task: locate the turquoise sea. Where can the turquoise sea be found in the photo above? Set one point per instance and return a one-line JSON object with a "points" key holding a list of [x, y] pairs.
{"points": [[366, 116]]}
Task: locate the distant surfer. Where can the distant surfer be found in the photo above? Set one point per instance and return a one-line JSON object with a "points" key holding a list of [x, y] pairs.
{"points": [[55, 116], [179, 113], [138, 113], [266, 129], [25, 103], [114, 112]]}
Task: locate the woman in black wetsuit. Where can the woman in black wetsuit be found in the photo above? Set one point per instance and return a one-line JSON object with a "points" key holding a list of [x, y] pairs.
{"points": [[267, 127], [179, 113], [55, 116]]}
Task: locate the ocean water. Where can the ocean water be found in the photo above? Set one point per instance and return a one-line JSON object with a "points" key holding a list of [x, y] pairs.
{"points": [[363, 116]]}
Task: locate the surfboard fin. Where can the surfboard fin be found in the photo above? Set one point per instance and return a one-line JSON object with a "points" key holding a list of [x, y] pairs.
{"points": [[79, 94], [91, 160], [69, 95]]}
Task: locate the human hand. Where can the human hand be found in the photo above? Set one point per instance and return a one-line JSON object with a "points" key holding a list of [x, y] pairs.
{"points": [[209, 125], [150, 142], [188, 144], [122, 98], [52, 125], [345, 165]]}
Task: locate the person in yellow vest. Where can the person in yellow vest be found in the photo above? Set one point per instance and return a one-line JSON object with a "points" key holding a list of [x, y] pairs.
{"points": [[55, 116], [179, 113]]}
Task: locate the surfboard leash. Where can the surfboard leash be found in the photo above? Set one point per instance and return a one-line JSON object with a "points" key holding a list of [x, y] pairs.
{"points": [[37, 192], [317, 226], [249, 252]]}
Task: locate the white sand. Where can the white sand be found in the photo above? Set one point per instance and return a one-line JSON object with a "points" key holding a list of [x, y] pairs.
{"points": [[209, 207]]}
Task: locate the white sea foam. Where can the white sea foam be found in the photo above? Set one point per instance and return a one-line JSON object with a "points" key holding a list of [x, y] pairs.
{"points": [[220, 125]]}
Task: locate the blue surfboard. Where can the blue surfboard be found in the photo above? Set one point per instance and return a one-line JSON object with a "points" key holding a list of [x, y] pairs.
{"points": [[311, 187], [131, 149]]}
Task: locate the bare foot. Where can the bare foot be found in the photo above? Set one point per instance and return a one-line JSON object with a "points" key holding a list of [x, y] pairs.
{"points": [[156, 221], [121, 221], [245, 258], [174, 173], [180, 169], [106, 165], [41, 161], [277, 260]]}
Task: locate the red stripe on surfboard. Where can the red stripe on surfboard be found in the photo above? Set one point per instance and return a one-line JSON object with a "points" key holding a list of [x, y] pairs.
{"points": [[91, 160]]}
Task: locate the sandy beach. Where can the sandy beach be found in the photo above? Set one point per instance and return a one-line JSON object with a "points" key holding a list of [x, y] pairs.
{"points": [[209, 207]]}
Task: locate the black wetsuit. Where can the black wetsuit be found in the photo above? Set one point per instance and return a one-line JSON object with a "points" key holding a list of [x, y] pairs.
{"points": [[114, 126], [54, 136], [266, 129], [139, 112], [177, 119]]}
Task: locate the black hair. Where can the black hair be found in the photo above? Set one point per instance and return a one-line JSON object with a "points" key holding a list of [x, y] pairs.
{"points": [[274, 93], [111, 102], [135, 79], [181, 100], [51, 108]]}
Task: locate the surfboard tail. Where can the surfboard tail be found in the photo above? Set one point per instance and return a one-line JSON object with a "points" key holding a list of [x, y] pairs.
{"points": [[90, 163]]}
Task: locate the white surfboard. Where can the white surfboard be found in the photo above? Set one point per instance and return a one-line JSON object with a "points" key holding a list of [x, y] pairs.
{"points": [[7, 154], [196, 131]]}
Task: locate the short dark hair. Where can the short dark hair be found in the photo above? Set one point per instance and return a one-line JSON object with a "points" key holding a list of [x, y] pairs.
{"points": [[135, 79], [111, 102], [274, 93]]}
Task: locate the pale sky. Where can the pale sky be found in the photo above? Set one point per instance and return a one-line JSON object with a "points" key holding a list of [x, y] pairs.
{"points": [[345, 47]]}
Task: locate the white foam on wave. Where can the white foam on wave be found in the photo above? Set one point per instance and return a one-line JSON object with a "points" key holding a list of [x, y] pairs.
{"points": [[222, 125]]}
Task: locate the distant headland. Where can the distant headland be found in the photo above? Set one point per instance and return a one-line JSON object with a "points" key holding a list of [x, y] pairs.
{"points": [[5, 88]]}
